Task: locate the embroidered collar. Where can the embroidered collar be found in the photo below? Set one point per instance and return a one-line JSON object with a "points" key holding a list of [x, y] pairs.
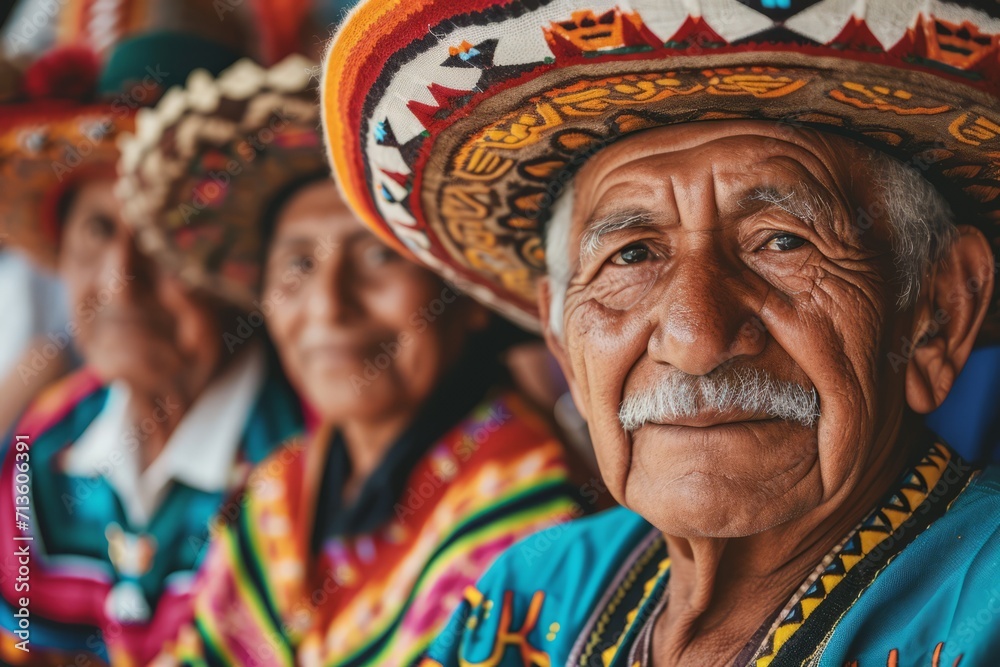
{"points": [[618, 629]]}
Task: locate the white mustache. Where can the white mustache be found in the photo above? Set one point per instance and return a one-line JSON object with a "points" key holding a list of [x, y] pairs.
{"points": [[746, 390]]}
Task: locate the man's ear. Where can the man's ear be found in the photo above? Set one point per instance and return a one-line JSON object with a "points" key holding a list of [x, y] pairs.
{"points": [[556, 343], [949, 314]]}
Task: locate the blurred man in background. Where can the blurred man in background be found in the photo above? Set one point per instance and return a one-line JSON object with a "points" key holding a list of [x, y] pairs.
{"points": [[124, 464]]}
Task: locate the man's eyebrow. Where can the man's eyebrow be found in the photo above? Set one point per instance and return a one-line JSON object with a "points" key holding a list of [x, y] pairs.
{"points": [[308, 239], [598, 228], [802, 203], [297, 240]]}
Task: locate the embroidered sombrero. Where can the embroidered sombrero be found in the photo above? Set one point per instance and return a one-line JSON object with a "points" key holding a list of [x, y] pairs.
{"points": [[198, 176], [452, 124], [41, 158], [62, 114], [54, 131]]}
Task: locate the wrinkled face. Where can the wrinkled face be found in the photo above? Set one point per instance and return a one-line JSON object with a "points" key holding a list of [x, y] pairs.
{"points": [[132, 324], [362, 332], [720, 260]]}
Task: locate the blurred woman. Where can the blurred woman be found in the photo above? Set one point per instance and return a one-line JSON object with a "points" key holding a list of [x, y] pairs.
{"points": [[353, 546], [113, 475]]}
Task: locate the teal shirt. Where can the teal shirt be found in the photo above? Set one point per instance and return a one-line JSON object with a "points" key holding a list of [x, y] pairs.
{"points": [[71, 568], [919, 579]]}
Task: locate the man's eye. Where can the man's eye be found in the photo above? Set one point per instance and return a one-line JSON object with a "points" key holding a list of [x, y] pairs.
{"points": [[784, 242], [378, 255], [100, 227], [302, 263], [632, 254]]}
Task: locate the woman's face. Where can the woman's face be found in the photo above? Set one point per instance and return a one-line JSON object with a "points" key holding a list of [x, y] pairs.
{"points": [[129, 322], [362, 332]]}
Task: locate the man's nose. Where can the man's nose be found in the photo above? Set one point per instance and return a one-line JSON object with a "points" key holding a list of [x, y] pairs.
{"points": [[125, 270], [703, 316], [331, 296]]}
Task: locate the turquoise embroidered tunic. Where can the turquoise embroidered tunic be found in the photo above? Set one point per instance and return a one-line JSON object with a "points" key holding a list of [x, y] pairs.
{"points": [[916, 584]]}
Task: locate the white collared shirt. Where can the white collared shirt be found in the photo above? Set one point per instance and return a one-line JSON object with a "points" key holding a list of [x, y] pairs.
{"points": [[200, 452]]}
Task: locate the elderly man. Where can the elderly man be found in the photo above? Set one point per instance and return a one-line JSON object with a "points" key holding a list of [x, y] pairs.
{"points": [[753, 298]]}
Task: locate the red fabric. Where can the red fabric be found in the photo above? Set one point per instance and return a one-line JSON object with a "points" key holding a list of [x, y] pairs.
{"points": [[69, 73], [280, 23], [39, 111], [419, 14]]}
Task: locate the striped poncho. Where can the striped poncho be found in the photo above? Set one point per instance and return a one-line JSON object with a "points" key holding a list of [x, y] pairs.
{"points": [[269, 596]]}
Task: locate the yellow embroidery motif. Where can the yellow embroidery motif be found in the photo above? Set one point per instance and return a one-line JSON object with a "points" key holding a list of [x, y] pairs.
{"points": [[924, 478], [530, 656], [725, 82], [975, 132], [882, 98]]}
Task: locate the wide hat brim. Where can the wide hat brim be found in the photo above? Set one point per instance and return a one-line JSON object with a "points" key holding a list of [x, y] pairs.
{"points": [[45, 149], [204, 165], [471, 115], [66, 128]]}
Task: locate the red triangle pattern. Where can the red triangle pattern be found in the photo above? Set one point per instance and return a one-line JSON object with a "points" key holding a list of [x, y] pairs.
{"points": [[695, 30], [442, 95]]}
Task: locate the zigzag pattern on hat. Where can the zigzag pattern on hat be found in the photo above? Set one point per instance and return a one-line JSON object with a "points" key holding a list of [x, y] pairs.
{"points": [[440, 78], [474, 115]]}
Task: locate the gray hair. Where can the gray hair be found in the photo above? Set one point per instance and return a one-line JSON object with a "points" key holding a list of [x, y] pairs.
{"points": [[557, 264], [726, 389], [921, 220]]}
